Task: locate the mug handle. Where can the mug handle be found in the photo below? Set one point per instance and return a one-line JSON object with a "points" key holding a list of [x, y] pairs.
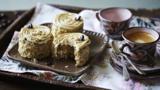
{"points": [[122, 49], [126, 45]]}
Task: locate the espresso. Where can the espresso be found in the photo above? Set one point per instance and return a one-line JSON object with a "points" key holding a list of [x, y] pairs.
{"points": [[141, 37]]}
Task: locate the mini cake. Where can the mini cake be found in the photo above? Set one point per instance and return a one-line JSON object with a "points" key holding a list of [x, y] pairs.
{"points": [[35, 42], [67, 22], [71, 45]]}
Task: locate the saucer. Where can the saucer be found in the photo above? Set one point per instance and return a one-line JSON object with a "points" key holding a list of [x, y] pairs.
{"points": [[142, 66], [148, 77]]}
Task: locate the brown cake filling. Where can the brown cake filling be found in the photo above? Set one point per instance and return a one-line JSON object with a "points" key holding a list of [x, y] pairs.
{"points": [[65, 52]]}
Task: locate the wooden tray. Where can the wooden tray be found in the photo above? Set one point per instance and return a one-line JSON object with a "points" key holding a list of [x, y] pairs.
{"points": [[6, 36]]}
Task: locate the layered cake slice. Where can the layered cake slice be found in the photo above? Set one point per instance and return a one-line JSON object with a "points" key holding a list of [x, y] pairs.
{"points": [[71, 45]]}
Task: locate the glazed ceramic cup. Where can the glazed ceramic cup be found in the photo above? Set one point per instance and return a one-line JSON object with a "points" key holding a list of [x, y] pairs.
{"points": [[139, 43], [114, 21]]}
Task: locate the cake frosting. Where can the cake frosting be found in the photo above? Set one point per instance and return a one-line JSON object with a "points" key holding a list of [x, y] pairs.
{"points": [[67, 22], [35, 42]]}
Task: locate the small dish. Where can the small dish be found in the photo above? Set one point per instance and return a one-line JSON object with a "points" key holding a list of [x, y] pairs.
{"points": [[63, 66]]}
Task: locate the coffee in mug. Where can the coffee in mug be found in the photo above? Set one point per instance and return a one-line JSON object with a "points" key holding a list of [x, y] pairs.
{"points": [[141, 37], [140, 43]]}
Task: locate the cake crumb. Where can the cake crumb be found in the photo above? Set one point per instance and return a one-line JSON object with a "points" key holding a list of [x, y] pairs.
{"points": [[34, 60], [66, 66]]}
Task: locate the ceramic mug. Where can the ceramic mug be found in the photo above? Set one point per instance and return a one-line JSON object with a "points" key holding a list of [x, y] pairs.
{"points": [[140, 43], [114, 20]]}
